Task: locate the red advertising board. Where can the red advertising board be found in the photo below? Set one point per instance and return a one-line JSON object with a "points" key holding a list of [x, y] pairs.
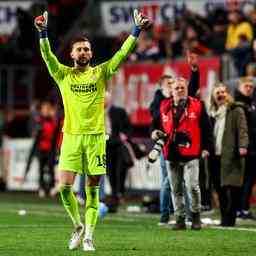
{"points": [[135, 84]]}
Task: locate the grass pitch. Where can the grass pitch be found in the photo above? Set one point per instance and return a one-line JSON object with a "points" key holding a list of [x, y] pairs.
{"points": [[45, 229]]}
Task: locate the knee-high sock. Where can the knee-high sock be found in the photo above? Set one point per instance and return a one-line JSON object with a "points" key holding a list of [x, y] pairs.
{"points": [[92, 207], [70, 203]]}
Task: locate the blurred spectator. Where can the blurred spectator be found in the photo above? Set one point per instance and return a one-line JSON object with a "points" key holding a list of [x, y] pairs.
{"points": [[227, 162], [237, 28], [217, 22], [119, 158], [218, 37], [13, 123], [166, 206], [244, 95], [45, 148], [239, 41], [251, 69], [191, 41], [252, 18], [35, 115], [146, 48], [242, 55], [168, 41]]}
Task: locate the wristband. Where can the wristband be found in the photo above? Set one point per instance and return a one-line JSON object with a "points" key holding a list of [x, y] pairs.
{"points": [[43, 33], [135, 31]]}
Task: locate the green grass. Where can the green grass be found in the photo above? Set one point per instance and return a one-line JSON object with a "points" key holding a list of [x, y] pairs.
{"points": [[45, 230]]}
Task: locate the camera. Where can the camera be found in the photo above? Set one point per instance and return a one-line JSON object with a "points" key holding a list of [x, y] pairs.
{"points": [[182, 139], [155, 152]]}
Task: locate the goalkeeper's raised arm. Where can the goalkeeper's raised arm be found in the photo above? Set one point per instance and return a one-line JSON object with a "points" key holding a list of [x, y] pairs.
{"points": [[50, 59], [141, 23]]}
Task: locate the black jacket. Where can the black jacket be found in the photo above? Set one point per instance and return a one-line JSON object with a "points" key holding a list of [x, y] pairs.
{"points": [[250, 112], [119, 122]]}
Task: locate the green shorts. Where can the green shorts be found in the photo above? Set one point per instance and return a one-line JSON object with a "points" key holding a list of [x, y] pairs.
{"points": [[83, 154]]}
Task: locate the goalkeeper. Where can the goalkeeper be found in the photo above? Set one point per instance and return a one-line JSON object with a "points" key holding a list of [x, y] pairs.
{"points": [[83, 148]]}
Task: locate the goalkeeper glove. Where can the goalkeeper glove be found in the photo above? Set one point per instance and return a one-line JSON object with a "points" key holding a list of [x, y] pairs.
{"points": [[41, 22], [140, 20], [141, 23]]}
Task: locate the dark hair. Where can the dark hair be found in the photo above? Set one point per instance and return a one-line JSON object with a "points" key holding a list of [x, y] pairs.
{"points": [[163, 77], [45, 102], [78, 39]]}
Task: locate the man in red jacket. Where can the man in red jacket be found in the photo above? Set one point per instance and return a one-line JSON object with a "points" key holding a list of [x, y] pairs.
{"points": [[46, 139], [186, 123]]}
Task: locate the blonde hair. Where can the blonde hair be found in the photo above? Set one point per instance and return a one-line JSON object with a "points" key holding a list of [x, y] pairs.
{"points": [[181, 79], [229, 98], [246, 79]]}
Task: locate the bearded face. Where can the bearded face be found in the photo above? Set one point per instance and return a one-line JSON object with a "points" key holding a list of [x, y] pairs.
{"points": [[81, 53]]}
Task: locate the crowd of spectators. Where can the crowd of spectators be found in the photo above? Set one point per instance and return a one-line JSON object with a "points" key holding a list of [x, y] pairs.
{"points": [[219, 32], [20, 46]]}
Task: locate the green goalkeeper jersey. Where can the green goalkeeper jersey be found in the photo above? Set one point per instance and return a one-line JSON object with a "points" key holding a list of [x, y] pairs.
{"points": [[83, 91]]}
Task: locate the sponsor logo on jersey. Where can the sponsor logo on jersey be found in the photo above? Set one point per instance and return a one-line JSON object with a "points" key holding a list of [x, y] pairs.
{"points": [[165, 118], [192, 115], [83, 88]]}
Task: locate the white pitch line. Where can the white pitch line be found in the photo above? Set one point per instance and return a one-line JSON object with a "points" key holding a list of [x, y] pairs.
{"points": [[34, 212], [33, 226], [64, 215], [234, 228], [121, 219]]}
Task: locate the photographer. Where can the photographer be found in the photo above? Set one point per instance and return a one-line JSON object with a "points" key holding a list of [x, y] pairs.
{"points": [[165, 92], [186, 123]]}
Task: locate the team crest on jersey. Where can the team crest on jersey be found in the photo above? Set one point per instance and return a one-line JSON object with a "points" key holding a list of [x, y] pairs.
{"points": [[94, 77]]}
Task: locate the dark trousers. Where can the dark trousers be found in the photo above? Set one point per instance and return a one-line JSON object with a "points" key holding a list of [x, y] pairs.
{"points": [[228, 195], [46, 171], [118, 163], [205, 182], [249, 179], [215, 175], [228, 205]]}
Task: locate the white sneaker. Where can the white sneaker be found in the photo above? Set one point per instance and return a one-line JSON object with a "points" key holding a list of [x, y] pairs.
{"points": [[88, 245], [76, 237], [41, 193]]}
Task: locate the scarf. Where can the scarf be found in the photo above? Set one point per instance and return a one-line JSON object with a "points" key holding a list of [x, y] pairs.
{"points": [[219, 127]]}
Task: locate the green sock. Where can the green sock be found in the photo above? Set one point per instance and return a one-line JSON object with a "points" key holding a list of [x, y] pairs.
{"points": [[92, 207], [70, 203]]}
